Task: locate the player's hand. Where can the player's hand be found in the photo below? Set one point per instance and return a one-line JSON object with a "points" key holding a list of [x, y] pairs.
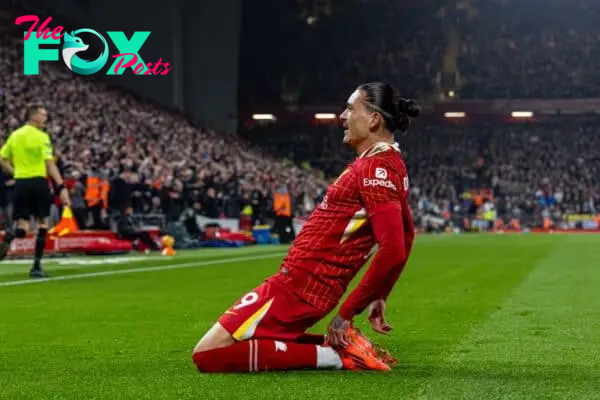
{"points": [[64, 198], [377, 317], [336, 332]]}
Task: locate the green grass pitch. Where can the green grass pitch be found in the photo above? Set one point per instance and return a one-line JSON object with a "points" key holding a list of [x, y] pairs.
{"points": [[475, 317]]}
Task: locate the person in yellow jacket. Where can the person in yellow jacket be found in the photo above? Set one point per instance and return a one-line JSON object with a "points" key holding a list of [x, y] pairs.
{"points": [[28, 151]]}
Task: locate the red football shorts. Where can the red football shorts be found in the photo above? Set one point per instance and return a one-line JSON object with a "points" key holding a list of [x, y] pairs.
{"points": [[271, 312]]}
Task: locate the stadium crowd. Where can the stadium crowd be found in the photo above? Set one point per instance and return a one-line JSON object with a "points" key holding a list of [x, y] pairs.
{"points": [[155, 160], [534, 169], [532, 49], [158, 162], [399, 42], [498, 49]]}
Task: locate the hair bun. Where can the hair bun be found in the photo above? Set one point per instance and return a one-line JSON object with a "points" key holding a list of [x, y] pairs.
{"points": [[408, 107]]}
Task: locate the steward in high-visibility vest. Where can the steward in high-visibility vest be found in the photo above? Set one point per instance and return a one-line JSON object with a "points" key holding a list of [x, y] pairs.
{"points": [[282, 204], [96, 198], [284, 224]]}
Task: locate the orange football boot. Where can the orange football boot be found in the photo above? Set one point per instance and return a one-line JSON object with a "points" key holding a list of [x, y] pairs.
{"points": [[363, 341], [355, 357]]}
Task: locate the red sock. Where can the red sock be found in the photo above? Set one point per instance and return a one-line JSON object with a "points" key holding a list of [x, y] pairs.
{"points": [[310, 338], [257, 355]]}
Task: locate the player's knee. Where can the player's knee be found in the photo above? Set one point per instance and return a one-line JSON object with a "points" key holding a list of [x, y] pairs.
{"points": [[208, 343], [20, 233], [215, 338]]}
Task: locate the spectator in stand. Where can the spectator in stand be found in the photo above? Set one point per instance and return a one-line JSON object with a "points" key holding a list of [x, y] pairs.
{"points": [[397, 42], [189, 220], [210, 204], [529, 167], [138, 147], [6, 185], [159, 162], [77, 192], [533, 49], [128, 229]]}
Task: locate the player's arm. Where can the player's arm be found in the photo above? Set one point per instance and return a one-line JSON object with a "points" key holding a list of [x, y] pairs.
{"points": [[385, 202], [409, 237], [6, 157]]}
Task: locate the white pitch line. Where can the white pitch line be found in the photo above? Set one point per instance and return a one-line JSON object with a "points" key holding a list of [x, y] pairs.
{"points": [[144, 269]]}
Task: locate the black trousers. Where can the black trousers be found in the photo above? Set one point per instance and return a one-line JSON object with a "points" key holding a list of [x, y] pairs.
{"points": [[284, 227], [80, 217], [96, 212], [142, 236]]}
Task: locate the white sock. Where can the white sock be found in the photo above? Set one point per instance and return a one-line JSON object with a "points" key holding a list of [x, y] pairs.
{"points": [[328, 358]]}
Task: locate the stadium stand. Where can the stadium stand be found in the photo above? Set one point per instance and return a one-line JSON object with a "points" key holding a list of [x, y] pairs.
{"points": [[532, 168], [488, 50], [161, 163], [155, 159], [397, 42], [533, 49]]}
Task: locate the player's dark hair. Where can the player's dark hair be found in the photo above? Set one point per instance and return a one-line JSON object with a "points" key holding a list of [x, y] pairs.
{"points": [[32, 109], [395, 110]]}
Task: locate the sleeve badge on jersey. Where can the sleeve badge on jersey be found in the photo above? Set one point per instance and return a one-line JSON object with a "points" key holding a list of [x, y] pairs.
{"points": [[381, 173]]}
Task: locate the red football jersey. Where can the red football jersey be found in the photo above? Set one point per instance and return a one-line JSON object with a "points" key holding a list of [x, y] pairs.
{"points": [[337, 239]]}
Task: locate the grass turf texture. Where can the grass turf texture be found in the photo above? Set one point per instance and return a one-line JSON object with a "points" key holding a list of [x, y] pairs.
{"points": [[474, 317]]}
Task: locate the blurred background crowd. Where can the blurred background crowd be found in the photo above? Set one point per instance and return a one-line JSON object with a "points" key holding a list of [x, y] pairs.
{"points": [[153, 159], [497, 49], [159, 162]]}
